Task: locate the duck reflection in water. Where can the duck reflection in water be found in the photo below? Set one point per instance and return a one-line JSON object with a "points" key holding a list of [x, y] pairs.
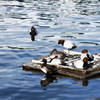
{"points": [[33, 33], [54, 79], [85, 82], [47, 80]]}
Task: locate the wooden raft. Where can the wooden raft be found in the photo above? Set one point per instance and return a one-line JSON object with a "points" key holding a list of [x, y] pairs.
{"points": [[68, 70]]}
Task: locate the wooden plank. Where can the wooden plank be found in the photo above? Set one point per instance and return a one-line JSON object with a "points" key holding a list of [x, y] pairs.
{"points": [[66, 70]]}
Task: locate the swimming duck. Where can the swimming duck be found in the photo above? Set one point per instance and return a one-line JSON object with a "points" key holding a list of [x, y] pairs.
{"points": [[57, 61], [33, 33], [60, 55], [87, 54], [67, 44], [47, 69]]}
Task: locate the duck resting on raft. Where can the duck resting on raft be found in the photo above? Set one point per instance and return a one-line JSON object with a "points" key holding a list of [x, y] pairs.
{"points": [[47, 69], [60, 55]]}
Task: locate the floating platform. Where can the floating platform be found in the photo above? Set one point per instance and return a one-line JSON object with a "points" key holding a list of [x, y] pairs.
{"points": [[68, 69]]}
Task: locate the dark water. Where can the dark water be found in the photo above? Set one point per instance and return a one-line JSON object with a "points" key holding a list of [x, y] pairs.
{"points": [[76, 20]]}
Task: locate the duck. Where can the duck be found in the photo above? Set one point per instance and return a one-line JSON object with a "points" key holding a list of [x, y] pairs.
{"points": [[33, 33], [57, 61], [60, 54], [47, 69], [87, 54], [82, 64], [67, 44]]}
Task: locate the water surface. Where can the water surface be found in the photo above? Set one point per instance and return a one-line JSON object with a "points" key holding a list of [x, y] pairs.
{"points": [[76, 20]]}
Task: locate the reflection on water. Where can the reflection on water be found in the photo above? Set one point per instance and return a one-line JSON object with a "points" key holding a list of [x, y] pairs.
{"points": [[47, 80], [76, 20], [85, 82], [54, 79]]}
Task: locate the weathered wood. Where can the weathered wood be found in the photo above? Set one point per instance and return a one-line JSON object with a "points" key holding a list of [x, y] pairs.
{"points": [[67, 70]]}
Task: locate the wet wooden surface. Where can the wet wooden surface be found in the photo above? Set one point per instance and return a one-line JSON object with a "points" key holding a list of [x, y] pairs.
{"points": [[35, 64]]}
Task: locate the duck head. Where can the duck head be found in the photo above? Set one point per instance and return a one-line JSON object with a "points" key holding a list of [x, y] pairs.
{"points": [[53, 51], [55, 57], [85, 51], [60, 41], [44, 61], [85, 60], [85, 64], [32, 29]]}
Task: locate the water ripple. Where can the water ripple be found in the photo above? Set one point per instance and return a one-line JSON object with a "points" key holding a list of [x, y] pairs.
{"points": [[76, 20]]}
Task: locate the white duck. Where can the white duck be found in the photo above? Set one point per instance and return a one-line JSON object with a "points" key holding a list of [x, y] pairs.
{"points": [[57, 61], [67, 44], [87, 54], [81, 64]]}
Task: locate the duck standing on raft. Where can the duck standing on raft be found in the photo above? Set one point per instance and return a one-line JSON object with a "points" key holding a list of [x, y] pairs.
{"points": [[67, 44]]}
